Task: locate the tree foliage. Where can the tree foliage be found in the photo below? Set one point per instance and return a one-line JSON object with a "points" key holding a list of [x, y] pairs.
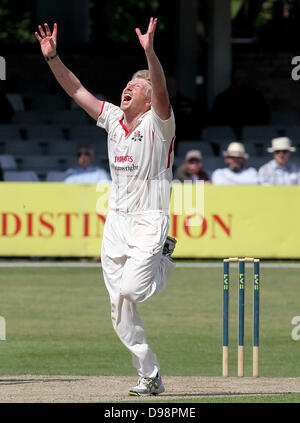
{"points": [[16, 21]]}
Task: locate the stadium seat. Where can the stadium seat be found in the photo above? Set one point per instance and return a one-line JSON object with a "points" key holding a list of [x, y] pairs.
{"points": [[49, 102], [257, 148], [257, 162], [178, 160], [2, 147], [216, 133], [42, 163], [7, 162], [22, 147], [55, 176], [16, 102], [184, 146], [44, 132], [293, 132], [62, 147], [213, 163], [88, 132], [261, 132], [285, 115], [71, 163], [33, 89], [74, 117], [29, 117], [9, 131], [20, 176]]}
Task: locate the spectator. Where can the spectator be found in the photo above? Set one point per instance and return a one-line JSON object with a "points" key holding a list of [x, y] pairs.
{"points": [[85, 173], [192, 168], [185, 111], [235, 173], [279, 171], [240, 105]]}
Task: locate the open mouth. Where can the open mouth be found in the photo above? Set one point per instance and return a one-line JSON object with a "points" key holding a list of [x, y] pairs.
{"points": [[127, 98]]}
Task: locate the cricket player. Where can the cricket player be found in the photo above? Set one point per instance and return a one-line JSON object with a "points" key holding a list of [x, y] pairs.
{"points": [[136, 250]]}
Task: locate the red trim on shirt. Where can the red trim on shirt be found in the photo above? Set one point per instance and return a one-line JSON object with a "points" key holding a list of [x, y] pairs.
{"points": [[124, 127], [101, 109], [170, 152]]}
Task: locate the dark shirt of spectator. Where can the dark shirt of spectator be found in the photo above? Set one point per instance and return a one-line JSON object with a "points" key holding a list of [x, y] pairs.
{"points": [[240, 105], [192, 169], [185, 111]]}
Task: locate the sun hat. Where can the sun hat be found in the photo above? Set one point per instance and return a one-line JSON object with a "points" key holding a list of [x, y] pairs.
{"points": [[236, 149], [281, 143]]}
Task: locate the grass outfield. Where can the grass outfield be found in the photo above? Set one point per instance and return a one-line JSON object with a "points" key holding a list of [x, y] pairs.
{"points": [[247, 399], [58, 323]]}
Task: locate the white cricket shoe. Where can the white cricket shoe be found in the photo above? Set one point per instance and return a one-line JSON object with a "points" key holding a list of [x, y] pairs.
{"points": [[147, 386], [169, 246]]}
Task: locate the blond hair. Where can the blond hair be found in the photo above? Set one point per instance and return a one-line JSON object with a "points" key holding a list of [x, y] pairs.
{"points": [[144, 74]]}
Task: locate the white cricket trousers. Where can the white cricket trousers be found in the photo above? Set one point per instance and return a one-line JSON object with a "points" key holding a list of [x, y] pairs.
{"points": [[134, 269]]}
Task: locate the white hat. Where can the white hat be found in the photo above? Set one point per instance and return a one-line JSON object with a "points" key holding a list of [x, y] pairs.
{"points": [[281, 143], [236, 149]]}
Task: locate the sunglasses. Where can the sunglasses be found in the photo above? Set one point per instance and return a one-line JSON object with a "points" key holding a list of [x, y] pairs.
{"points": [[83, 153], [235, 157], [194, 161], [281, 151]]}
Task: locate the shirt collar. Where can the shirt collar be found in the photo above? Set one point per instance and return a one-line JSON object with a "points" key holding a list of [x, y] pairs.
{"points": [[276, 166]]}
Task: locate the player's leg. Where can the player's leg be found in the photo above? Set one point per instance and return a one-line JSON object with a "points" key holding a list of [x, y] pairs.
{"points": [[125, 318], [145, 273], [147, 269], [113, 260]]}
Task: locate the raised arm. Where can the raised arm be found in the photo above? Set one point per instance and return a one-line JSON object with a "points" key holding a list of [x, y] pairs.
{"points": [[63, 75], [160, 97]]}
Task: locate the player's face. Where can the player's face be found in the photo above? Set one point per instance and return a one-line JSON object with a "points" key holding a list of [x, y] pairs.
{"points": [[194, 165], [235, 163], [282, 157], [84, 158], [135, 96]]}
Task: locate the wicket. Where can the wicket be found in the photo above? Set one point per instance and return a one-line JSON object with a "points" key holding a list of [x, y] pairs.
{"points": [[241, 315]]}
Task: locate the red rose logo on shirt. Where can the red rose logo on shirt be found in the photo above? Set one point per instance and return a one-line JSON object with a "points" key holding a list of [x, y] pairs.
{"points": [[137, 136]]}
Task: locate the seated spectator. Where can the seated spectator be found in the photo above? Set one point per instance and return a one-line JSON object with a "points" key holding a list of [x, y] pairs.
{"points": [[235, 173], [192, 168], [85, 173], [279, 171], [240, 105]]}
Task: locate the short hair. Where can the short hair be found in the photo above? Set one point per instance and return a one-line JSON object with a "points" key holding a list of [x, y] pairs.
{"points": [[89, 147], [144, 74]]}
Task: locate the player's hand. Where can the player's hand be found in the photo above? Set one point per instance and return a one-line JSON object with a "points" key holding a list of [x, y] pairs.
{"points": [[146, 40], [47, 40]]}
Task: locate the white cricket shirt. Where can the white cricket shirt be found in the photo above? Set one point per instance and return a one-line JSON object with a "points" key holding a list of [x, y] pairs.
{"points": [[140, 160], [272, 174], [226, 176]]}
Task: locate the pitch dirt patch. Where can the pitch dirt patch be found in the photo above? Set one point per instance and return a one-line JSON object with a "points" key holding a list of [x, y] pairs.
{"points": [[82, 389]]}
